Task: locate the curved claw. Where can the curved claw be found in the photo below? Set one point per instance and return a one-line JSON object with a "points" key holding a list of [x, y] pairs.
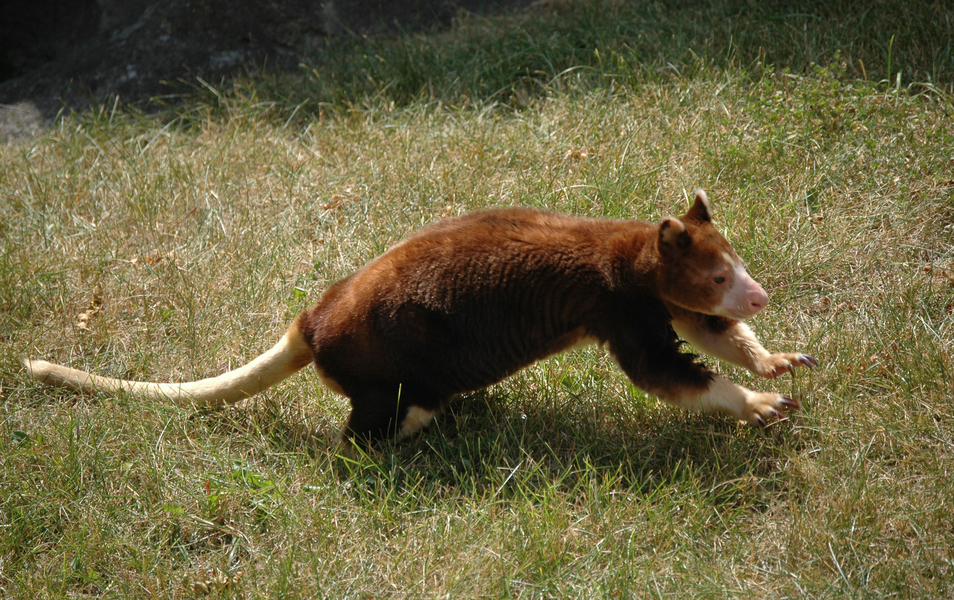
{"points": [[806, 360], [787, 363], [789, 403]]}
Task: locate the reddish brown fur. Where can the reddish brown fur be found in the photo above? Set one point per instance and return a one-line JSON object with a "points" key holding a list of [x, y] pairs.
{"points": [[466, 302]]}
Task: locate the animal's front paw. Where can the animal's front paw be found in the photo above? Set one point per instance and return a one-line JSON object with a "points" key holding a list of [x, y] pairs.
{"points": [[754, 408], [781, 363], [760, 408]]}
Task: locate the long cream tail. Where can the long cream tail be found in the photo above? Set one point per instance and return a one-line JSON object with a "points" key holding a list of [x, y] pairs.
{"points": [[286, 357]]}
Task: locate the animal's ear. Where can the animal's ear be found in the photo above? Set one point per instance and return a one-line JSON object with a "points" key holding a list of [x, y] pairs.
{"points": [[672, 232], [699, 213]]}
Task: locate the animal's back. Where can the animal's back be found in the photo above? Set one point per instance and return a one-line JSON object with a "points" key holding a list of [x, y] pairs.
{"points": [[468, 301]]}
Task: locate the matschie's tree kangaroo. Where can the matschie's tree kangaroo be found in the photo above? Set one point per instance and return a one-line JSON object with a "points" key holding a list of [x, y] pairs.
{"points": [[468, 301]]}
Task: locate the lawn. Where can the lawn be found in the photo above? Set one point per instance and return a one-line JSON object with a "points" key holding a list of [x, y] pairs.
{"points": [[177, 245]]}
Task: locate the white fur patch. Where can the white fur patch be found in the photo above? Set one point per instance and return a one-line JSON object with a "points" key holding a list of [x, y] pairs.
{"points": [[755, 408], [417, 418], [745, 298], [724, 396]]}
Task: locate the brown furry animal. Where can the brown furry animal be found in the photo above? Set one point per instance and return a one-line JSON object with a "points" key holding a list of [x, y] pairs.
{"points": [[466, 302]]}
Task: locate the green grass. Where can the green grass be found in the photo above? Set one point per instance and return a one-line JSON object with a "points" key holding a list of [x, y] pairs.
{"points": [[209, 226]]}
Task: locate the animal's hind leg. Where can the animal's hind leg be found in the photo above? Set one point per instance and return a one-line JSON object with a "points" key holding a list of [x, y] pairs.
{"points": [[417, 418], [379, 415]]}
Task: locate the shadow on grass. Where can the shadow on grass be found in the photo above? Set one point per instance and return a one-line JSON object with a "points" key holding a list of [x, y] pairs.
{"points": [[603, 44], [639, 445], [488, 443]]}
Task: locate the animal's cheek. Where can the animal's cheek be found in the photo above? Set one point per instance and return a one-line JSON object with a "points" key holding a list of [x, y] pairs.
{"points": [[692, 292]]}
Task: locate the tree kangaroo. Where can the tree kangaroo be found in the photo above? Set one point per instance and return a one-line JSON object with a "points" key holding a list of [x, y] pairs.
{"points": [[468, 301]]}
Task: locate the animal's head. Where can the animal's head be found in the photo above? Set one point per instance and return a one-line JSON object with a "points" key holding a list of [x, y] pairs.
{"points": [[701, 272]]}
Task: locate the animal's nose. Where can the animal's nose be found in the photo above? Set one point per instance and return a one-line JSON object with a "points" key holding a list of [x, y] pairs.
{"points": [[758, 299]]}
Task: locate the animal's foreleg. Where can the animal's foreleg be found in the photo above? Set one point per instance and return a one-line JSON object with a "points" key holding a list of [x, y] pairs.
{"points": [[736, 343], [755, 408], [676, 378]]}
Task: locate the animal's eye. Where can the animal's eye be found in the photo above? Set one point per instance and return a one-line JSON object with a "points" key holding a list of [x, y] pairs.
{"points": [[719, 280]]}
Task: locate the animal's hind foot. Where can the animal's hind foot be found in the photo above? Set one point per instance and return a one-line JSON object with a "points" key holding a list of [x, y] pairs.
{"points": [[364, 429]]}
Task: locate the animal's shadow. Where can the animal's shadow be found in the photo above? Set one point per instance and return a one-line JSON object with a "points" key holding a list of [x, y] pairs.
{"points": [[490, 440]]}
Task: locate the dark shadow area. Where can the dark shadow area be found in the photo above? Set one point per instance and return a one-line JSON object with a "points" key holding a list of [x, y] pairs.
{"points": [[69, 53], [470, 447], [72, 54]]}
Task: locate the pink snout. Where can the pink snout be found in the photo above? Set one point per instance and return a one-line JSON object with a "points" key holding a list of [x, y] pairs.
{"points": [[756, 297], [745, 298]]}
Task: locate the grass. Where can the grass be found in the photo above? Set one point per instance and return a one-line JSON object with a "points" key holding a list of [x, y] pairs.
{"points": [[207, 227]]}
